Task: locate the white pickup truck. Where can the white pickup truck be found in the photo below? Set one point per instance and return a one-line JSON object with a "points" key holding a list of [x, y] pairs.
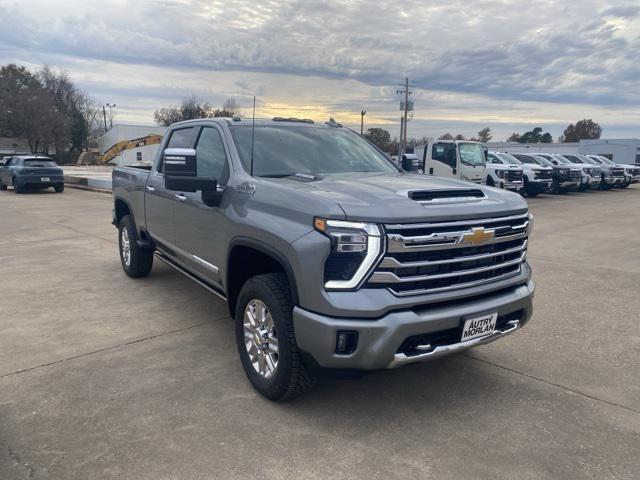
{"points": [[537, 178]]}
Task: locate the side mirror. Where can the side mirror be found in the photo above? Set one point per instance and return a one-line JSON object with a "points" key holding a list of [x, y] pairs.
{"points": [[179, 162]]}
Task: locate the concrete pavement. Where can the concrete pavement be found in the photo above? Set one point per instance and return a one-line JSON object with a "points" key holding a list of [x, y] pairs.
{"points": [[105, 377]]}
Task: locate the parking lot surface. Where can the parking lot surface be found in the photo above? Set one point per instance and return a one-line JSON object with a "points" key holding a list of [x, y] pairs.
{"points": [[102, 376]]}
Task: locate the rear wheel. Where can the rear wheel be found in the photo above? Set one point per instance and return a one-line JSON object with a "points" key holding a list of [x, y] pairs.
{"points": [[2, 185], [59, 188], [136, 262], [16, 188], [266, 341]]}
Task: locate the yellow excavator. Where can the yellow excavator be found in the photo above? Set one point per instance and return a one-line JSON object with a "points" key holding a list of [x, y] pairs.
{"points": [[123, 145]]}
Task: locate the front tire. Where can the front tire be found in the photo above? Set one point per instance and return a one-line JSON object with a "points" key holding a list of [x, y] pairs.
{"points": [[59, 188], [266, 341], [2, 186], [16, 187], [136, 262]]}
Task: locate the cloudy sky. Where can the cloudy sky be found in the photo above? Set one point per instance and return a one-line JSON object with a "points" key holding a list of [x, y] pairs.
{"points": [[508, 64]]}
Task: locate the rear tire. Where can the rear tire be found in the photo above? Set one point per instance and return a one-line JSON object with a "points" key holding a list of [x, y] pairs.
{"points": [[59, 188], [16, 187], [136, 262], [2, 186], [264, 320]]}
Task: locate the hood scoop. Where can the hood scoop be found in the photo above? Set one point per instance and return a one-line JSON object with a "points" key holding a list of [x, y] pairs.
{"points": [[438, 197]]}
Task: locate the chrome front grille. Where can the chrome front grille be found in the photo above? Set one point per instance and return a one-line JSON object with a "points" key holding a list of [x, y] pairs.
{"points": [[434, 257]]}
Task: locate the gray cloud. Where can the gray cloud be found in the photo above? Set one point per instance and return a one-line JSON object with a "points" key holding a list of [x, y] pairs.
{"points": [[560, 52]]}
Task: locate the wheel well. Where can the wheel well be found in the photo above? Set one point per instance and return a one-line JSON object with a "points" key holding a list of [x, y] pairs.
{"points": [[246, 262], [122, 209]]}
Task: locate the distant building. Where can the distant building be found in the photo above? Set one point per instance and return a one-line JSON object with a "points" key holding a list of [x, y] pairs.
{"points": [[118, 133], [13, 146], [514, 147], [620, 150], [623, 150]]}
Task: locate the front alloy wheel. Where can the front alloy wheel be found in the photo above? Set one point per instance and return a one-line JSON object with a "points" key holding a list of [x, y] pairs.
{"points": [[260, 338], [125, 247]]}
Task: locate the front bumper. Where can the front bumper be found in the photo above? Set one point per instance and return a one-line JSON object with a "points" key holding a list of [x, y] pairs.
{"points": [[613, 180], [568, 184], [379, 340], [540, 186], [512, 186]]}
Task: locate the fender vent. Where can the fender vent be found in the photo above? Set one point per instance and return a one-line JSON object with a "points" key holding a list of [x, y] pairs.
{"points": [[447, 196]]}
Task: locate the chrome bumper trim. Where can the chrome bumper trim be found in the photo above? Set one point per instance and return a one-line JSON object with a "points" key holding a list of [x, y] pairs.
{"points": [[400, 359]]}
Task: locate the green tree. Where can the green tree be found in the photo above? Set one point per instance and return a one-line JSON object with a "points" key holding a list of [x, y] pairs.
{"points": [[546, 138], [583, 129], [379, 137]]}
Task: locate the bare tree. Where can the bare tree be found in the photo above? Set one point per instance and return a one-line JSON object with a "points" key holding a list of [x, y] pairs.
{"points": [[485, 135]]}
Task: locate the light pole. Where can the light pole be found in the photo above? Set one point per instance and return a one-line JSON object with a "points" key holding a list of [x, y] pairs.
{"points": [[110, 106], [362, 114]]}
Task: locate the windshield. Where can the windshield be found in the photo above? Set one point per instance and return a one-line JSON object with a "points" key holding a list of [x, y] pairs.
{"points": [[586, 159], [542, 161], [39, 162], [280, 151], [605, 160], [561, 159], [472, 154], [526, 159], [509, 158], [573, 159]]}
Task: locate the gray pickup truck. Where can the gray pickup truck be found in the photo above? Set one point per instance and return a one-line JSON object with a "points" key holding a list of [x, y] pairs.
{"points": [[328, 255]]}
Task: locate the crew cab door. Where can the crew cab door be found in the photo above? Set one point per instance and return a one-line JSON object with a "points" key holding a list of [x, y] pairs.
{"points": [[160, 202], [200, 229], [443, 161]]}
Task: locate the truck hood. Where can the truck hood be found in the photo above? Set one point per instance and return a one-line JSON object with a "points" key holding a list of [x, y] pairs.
{"points": [[384, 198]]}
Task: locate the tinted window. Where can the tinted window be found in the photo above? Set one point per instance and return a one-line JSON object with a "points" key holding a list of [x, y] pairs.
{"points": [[573, 158], [280, 151], [445, 153], [211, 156], [182, 138], [38, 162]]}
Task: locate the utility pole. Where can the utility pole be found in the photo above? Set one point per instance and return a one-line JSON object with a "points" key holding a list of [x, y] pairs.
{"points": [[362, 114], [403, 121], [111, 107], [104, 116]]}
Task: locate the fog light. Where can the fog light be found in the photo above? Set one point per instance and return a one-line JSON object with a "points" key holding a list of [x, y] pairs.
{"points": [[346, 342]]}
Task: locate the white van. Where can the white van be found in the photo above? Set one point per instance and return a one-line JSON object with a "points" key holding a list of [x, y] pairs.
{"points": [[460, 159]]}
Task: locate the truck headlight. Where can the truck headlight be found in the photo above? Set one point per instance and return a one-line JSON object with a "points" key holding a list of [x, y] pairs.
{"points": [[355, 248], [501, 173], [530, 225]]}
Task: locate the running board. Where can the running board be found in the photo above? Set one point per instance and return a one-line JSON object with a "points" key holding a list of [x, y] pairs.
{"points": [[196, 278]]}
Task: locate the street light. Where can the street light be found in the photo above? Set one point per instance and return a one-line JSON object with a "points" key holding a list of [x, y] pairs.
{"points": [[104, 115], [362, 114]]}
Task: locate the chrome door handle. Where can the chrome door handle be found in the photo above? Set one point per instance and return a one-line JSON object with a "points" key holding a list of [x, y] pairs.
{"points": [[149, 189], [180, 197]]}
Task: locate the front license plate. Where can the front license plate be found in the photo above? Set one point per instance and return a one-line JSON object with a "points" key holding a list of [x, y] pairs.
{"points": [[44, 179], [479, 326]]}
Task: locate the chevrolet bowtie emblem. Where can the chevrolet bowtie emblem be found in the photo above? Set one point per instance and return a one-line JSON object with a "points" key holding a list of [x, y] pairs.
{"points": [[477, 236]]}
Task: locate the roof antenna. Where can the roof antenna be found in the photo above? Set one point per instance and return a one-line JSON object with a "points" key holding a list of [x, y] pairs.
{"points": [[253, 131]]}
